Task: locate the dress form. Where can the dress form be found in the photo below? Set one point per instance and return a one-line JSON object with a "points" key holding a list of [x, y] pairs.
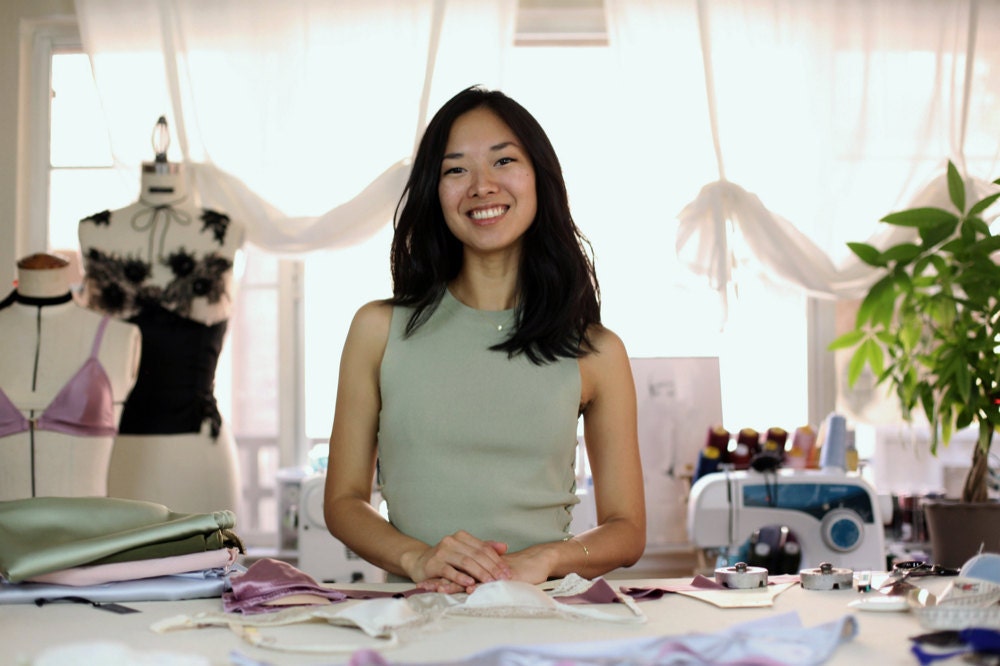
{"points": [[47, 338], [165, 264]]}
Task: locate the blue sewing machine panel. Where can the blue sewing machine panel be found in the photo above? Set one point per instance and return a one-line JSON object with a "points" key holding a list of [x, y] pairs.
{"points": [[816, 499]]}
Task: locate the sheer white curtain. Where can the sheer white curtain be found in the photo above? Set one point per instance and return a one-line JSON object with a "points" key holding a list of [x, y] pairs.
{"points": [[823, 116], [299, 117]]}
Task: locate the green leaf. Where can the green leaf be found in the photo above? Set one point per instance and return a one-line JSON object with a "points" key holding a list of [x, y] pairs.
{"points": [[987, 246], [977, 223], [868, 254], [848, 339], [932, 234], [962, 378], [920, 217], [874, 356], [903, 253], [983, 204], [879, 304], [856, 365], [956, 187]]}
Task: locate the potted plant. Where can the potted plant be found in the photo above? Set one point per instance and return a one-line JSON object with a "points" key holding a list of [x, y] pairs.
{"points": [[929, 329]]}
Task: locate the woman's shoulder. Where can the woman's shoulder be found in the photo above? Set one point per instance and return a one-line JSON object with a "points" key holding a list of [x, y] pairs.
{"points": [[373, 320], [604, 342], [606, 369]]}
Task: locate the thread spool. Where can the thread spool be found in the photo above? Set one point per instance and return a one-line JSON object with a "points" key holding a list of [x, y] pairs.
{"points": [[834, 450]]}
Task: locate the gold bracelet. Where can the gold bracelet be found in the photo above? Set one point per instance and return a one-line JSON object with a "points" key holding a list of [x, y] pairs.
{"points": [[586, 551]]}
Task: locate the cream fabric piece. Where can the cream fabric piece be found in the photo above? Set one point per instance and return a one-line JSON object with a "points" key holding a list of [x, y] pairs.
{"points": [[108, 653], [387, 618]]}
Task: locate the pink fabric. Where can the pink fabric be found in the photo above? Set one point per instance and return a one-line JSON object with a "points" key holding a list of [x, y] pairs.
{"points": [[598, 593], [84, 406], [267, 580], [99, 574]]}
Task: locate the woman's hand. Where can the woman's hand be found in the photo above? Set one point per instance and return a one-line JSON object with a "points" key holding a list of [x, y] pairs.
{"points": [[458, 563]]}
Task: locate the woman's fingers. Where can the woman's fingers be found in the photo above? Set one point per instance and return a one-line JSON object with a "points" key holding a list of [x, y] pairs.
{"points": [[466, 560]]}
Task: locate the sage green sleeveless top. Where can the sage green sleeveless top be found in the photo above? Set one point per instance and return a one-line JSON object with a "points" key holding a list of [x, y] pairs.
{"points": [[471, 439]]}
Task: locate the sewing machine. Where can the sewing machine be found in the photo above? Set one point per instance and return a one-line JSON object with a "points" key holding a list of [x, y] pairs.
{"points": [[320, 555], [832, 517]]}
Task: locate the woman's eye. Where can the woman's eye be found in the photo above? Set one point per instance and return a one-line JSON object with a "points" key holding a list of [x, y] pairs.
{"points": [[505, 160], [452, 170]]}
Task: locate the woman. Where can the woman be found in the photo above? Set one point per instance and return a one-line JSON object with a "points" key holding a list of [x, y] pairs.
{"points": [[465, 388]]}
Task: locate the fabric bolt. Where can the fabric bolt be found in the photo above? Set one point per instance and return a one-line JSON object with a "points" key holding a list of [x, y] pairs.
{"points": [[84, 406], [207, 584], [39, 535], [219, 558], [476, 414]]}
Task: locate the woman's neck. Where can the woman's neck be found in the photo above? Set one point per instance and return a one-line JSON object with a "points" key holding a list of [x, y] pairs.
{"points": [[484, 293]]}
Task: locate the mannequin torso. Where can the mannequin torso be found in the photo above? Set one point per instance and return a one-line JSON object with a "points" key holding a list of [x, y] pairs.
{"points": [[47, 340], [166, 264]]}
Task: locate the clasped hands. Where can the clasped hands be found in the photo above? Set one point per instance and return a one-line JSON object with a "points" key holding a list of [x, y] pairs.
{"points": [[460, 562]]}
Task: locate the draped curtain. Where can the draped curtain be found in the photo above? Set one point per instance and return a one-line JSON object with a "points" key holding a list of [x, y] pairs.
{"points": [[298, 118], [824, 116]]}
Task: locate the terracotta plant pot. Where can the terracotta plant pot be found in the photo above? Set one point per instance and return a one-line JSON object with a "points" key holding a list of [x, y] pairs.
{"points": [[958, 530]]}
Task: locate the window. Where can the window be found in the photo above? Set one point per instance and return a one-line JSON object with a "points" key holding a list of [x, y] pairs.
{"points": [[292, 315]]}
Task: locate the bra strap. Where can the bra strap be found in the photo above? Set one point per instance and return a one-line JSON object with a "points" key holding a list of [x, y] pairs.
{"points": [[98, 337]]}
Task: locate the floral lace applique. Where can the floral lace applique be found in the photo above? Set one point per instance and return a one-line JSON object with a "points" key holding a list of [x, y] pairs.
{"points": [[215, 222], [117, 285], [99, 219]]}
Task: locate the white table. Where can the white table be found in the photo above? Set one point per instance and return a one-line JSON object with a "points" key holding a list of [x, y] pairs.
{"points": [[26, 630]]}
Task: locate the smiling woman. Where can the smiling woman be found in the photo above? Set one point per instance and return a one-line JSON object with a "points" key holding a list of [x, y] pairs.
{"points": [[486, 179], [485, 235]]}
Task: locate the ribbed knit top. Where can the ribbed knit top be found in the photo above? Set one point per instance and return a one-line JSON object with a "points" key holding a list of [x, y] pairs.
{"points": [[471, 439]]}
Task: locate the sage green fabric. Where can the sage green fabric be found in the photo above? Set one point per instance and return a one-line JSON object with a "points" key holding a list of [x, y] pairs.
{"points": [[471, 439], [43, 534]]}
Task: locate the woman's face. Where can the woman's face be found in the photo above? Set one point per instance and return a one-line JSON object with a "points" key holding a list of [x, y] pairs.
{"points": [[487, 186]]}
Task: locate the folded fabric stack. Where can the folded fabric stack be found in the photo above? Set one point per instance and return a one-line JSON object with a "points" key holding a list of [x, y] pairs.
{"points": [[103, 549]]}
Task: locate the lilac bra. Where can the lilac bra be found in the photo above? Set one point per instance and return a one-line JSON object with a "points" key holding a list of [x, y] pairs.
{"points": [[84, 406]]}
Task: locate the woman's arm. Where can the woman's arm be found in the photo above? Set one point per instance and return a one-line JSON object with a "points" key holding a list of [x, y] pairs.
{"points": [[459, 558], [608, 402]]}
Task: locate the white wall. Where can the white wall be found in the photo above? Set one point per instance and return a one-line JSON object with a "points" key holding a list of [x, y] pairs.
{"points": [[13, 64]]}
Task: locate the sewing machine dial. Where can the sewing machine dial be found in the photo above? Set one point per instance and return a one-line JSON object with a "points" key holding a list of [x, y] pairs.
{"points": [[842, 530]]}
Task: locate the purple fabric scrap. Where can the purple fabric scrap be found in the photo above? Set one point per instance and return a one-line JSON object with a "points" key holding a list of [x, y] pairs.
{"points": [[267, 580], [598, 593]]}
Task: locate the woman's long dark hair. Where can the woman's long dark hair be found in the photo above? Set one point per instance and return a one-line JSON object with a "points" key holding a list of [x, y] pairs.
{"points": [[558, 293]]}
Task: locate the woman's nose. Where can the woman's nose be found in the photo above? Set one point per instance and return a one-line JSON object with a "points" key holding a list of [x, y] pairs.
{"points": [[482, 184]]}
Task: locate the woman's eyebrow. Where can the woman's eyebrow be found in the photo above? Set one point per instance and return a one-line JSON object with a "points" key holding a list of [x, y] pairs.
{"points": [[499, 146]]}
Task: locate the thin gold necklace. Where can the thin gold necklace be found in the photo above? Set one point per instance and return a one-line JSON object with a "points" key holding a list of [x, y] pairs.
{"points": [[498, 325]]}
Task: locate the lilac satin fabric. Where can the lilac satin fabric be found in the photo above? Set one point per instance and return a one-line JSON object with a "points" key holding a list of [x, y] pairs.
{"points": [[268, 580]]}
